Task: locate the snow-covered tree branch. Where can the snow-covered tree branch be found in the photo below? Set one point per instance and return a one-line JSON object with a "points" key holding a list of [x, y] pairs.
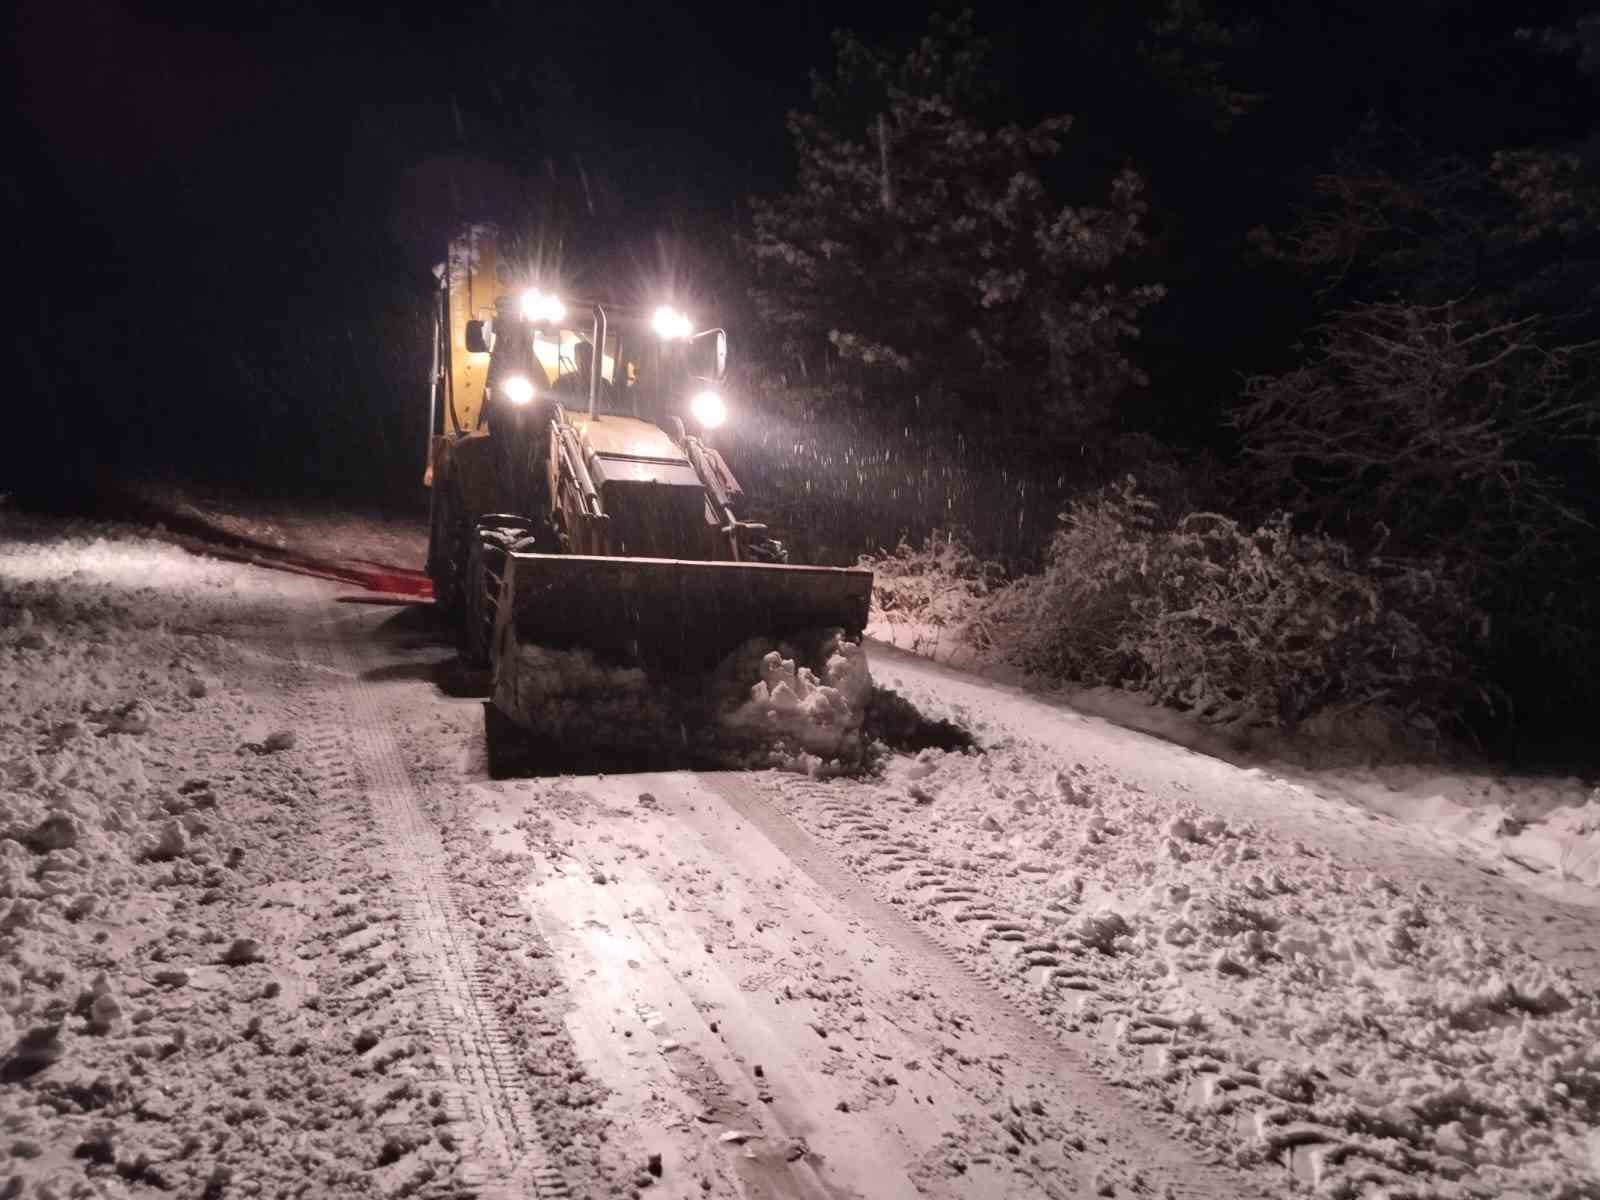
{"points": [[1436, 428]]}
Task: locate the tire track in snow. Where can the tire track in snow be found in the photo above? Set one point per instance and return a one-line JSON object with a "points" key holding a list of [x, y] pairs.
{"points": [[1212, 1087], [1021, 953], [483, 1083], [1175, 1170]]}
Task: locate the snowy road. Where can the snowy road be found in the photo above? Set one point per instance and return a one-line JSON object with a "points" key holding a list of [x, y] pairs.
{"points": [[757, 1022], [269, 927]]}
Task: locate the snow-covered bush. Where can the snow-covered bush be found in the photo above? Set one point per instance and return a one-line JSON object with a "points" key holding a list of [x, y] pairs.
{"points": [[1068, 622], [1445, 402], [1269, 625], [939, 587], [1263, 625]]}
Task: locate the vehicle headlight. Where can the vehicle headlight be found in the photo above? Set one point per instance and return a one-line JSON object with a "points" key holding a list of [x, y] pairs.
{"points": [[670, 324], [539, 306], [708, 409], [517, 388]]}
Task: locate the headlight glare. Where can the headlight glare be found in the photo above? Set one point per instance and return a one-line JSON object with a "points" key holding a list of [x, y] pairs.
{"points": [[708, 409], [539, 306], [518, 389], [670, 324]]}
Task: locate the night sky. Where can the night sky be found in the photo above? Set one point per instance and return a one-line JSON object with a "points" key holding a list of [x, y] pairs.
{"points": [[227, 212]]}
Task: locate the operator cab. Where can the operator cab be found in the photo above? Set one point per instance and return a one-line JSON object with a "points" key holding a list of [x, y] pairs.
{"points": [[653, 366]]}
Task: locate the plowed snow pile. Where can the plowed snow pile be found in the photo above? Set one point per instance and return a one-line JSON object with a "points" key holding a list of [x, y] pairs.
{"points": [[811, 720], [801, 705]]}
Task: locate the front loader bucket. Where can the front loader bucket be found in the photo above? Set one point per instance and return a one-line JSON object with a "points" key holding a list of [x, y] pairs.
{"points": [[674, 614], [617, 656]]}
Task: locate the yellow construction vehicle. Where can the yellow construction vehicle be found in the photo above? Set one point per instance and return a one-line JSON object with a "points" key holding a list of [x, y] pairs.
{"points": [[571, 506]]}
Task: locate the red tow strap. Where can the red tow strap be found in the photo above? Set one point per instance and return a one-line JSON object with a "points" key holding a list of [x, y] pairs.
{"points": [[380, 583]]}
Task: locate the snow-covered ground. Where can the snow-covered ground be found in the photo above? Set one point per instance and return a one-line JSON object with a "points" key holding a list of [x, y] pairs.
{"points": [[179, 993], [241, 878], [1548, 824], [1363, 988]]}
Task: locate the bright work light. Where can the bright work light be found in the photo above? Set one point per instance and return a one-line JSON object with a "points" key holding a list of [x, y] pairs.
{"points": [[670, 324], [517, 388], [708, 409], [537, 306]]}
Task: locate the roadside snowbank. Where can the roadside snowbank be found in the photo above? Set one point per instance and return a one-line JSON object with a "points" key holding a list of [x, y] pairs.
{"points": [[1548, 824]]}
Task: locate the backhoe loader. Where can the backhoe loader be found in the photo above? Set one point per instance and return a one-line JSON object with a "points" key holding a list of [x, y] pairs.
{"points": [[576, 500]]}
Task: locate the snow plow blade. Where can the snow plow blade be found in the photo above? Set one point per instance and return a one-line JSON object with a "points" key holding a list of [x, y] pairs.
{"points": [[675, 614], [617, 657]]}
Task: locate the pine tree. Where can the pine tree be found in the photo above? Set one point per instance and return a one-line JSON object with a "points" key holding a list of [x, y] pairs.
{"points": [[923, 248]]}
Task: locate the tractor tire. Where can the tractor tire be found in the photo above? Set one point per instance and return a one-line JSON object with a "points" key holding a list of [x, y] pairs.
{"points": [[486, 571], [448, 550]]}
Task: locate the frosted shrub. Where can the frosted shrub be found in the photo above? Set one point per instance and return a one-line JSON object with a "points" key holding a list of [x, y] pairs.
{"points": [[939, 589], [1271, 626], [1263, 625], [1068, 622]]}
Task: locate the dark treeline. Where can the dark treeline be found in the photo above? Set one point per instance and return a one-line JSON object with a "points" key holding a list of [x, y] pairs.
{"points": [[1331, 260]]}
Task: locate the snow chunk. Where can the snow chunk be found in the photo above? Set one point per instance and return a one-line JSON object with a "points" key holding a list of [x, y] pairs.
{"points": [[38, 1048], [58, 831], [1101, 929], [1182, 829], [172, 842], [243, 950], [104, 1013], [134, 717], [808, 715]]}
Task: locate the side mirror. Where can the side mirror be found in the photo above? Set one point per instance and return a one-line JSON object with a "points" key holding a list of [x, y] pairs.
{"points": [[718, 366], [477, 343]]}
